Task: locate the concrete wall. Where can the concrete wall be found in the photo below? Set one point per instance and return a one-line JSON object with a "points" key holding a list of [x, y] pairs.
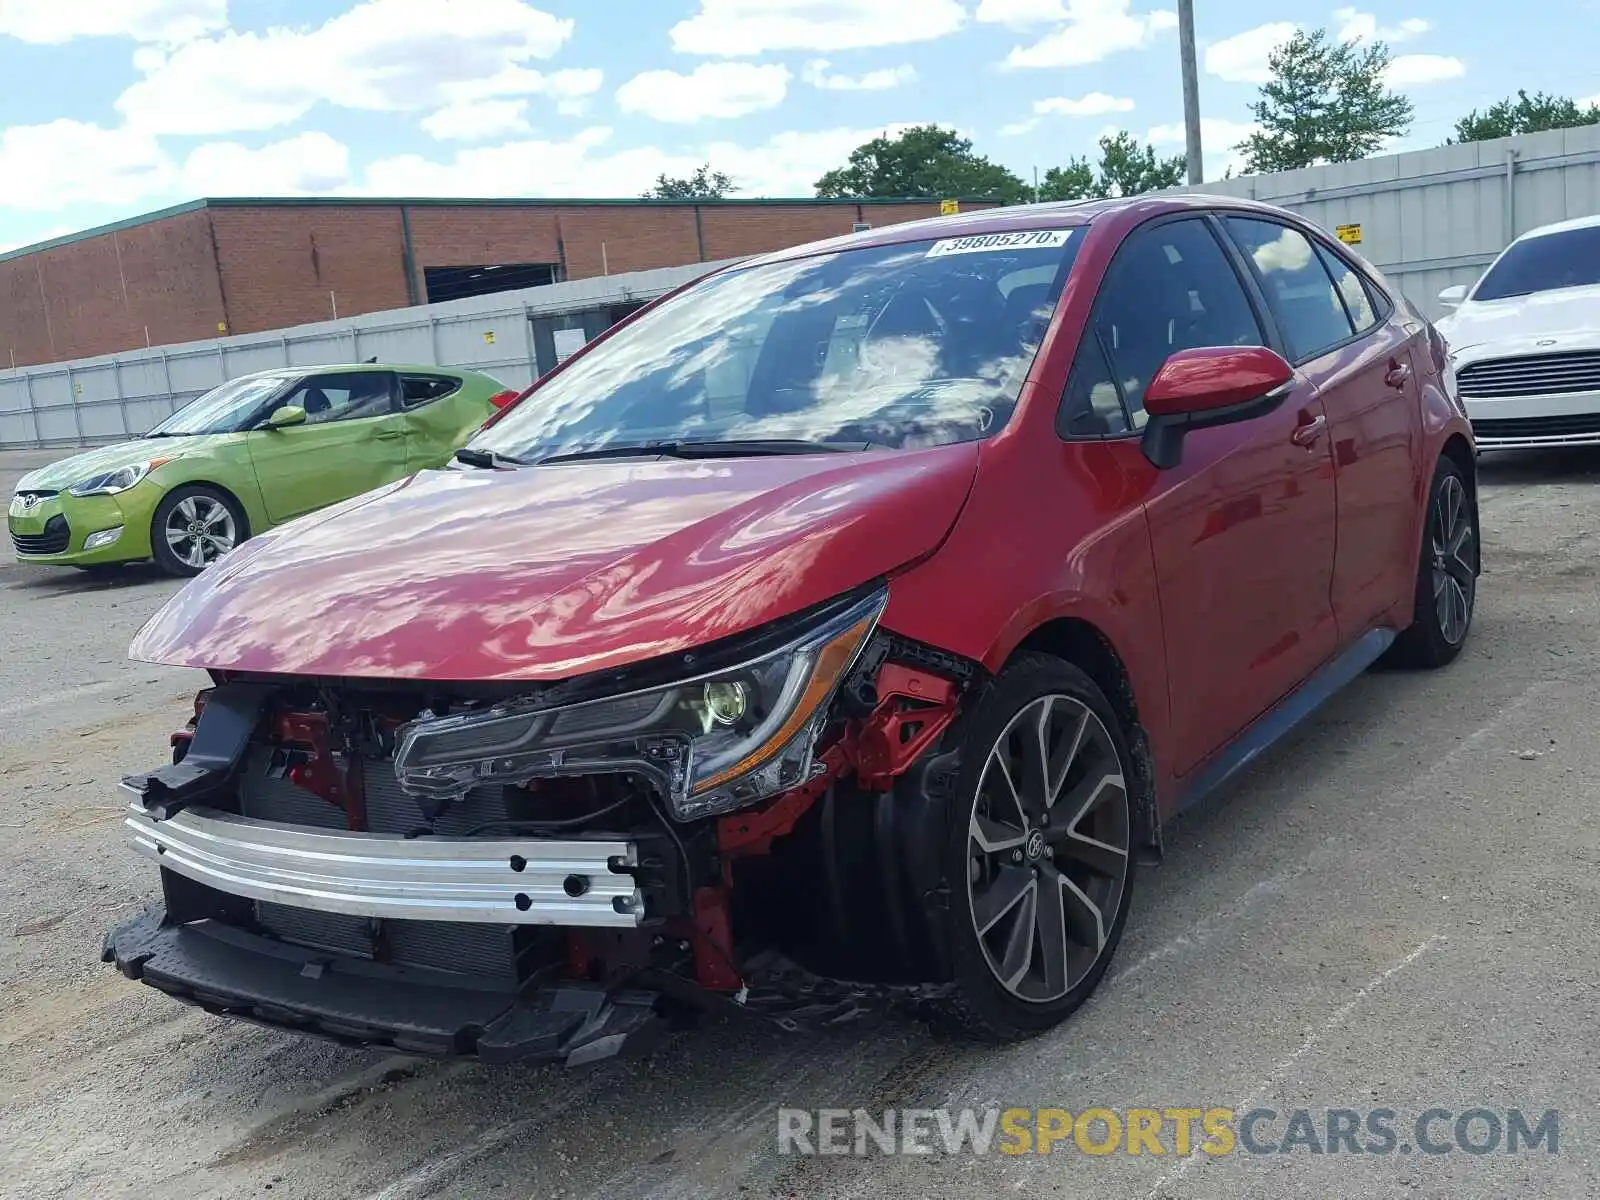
{"points": [[1433, 218]]}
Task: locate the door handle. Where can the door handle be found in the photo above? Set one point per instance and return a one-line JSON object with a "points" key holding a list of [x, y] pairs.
{"points": [[1399, 372], [1307, 432], [390, 434]]}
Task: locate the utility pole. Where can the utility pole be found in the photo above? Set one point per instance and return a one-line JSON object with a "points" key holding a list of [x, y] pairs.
{"points": [[1191, 91]]}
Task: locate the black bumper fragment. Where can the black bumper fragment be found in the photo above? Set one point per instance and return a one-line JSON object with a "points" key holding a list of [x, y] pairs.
{"points": [[230, 972]]}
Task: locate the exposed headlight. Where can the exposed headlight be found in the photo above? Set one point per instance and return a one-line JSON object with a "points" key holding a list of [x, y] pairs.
{"points": [[711, 743], [112, 482]]}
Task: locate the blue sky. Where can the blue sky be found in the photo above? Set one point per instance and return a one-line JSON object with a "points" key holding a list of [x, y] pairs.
{"points": [[115, 107]]}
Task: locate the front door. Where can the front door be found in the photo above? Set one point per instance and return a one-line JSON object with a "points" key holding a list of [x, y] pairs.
{"points": [[1242, 530], [352, 441]]}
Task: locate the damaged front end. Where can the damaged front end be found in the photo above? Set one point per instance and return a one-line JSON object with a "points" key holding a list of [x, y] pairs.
{"points": [[558, 872]]}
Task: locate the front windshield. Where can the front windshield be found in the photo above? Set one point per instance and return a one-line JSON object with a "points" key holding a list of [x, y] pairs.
{"points": [[907, 345], [223, 409], [1551, 260]]}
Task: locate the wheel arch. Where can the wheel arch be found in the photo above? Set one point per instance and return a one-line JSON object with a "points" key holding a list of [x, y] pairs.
{"points": [[1087, 647], [1458, 451]]}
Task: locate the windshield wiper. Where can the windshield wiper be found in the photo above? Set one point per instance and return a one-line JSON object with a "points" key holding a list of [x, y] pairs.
{"points": [[752, 448], [487, 459]]}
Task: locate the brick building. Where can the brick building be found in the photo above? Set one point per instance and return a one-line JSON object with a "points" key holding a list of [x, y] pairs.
{"points": [[242, 265]]}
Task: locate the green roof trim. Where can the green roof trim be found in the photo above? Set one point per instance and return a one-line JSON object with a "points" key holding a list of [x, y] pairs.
{"points": [[464, 202]]}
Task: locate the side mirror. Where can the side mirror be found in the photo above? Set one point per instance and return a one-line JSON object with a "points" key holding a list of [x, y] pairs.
{"points": [[289, 414], [1206, 386], [1454, 295]]}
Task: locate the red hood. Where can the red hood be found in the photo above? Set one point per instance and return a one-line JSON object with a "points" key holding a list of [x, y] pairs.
{"points": [[549, 572]]}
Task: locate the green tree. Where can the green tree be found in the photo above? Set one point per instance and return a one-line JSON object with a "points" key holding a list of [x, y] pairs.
{"points": [[704, 184], [1525, 114], [925, 161], [1326, 102], [1126, 169]]}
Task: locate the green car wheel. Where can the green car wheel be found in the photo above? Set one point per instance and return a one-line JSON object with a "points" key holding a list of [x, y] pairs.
{"points": [[194, 526]]}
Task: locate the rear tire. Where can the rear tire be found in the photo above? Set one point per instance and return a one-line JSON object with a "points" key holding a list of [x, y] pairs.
{"points": [[1447, 575], [194, 526], [1038, 857]]}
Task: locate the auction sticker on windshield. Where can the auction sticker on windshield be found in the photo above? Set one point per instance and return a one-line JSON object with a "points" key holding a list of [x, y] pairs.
{"points": [[979, 243]]}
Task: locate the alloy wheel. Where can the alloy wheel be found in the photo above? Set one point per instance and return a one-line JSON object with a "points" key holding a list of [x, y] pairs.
{"points": [[1047, 848], [199, 530], [1454, 545]]}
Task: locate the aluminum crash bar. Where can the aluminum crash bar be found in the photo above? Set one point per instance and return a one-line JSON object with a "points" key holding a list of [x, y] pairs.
{"points": [[510, 881]]}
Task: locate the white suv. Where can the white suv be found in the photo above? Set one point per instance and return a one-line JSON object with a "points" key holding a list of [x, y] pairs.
{"points": [[1525, 342]]}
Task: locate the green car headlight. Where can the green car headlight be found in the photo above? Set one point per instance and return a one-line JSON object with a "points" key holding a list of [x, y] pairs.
{"points": [[111, 482], [712, 743]]}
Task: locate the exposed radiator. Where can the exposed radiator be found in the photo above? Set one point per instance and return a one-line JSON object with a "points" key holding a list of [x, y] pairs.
{"points": [[472, 949]]}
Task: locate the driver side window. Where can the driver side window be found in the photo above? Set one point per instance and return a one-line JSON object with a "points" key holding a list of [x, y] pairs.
{"points": [[343, 396], [1171, 287]]}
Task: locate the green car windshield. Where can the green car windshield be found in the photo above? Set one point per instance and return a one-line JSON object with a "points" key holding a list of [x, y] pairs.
{"points": [[906, 345], [224, 409]]}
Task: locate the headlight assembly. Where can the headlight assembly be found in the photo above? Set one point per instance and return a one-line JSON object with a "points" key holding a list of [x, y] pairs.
{"points": [[110, 483], [711, 743]]}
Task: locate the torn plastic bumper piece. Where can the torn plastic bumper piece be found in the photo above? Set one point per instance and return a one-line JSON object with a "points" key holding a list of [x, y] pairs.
{"points": [[230, 972], [221, 735]]}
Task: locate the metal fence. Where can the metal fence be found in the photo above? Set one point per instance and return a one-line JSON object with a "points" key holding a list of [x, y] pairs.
{"points": [[104, 399], [1430, 219]]}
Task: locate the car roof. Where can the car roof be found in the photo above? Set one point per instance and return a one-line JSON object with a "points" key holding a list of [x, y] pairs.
{"points": [[1058, 214], [296, 372], [1562, 227]]}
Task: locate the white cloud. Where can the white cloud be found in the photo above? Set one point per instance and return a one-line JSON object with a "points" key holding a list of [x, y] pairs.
{"points": [[732, 28], [1590, 101], [47, 167], [785, 165], [306, 164], [1242, 58], [1018, 128], [49, 233], [1022, 12], [1357, 26], [1219, 139], [1095, 104], [1095, 29], [1410, 70], [381, 55], [816, 73], [711, 90], [51, 22], [477, 120]]}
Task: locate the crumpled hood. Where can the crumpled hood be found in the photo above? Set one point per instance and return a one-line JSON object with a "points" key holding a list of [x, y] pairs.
{"points": [[548, 572], [61, 475], [1515, 325]]}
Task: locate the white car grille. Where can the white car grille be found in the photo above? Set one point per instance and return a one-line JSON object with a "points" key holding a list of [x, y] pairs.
{"points": [[1535, 375]]}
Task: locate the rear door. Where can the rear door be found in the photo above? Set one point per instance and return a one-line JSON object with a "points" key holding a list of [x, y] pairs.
{"points": [[353, 440], [1335, 329], [1242, 528]]}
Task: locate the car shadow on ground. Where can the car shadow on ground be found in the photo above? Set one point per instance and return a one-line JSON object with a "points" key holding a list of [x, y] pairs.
{"points": [[54, 581], [1569, 464]]}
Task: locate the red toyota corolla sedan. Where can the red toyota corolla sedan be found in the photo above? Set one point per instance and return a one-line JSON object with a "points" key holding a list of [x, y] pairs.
{"points": [[837, 632]]}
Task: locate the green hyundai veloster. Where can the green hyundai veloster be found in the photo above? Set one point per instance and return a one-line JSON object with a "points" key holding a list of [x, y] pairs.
{"points": [[252, 453]]}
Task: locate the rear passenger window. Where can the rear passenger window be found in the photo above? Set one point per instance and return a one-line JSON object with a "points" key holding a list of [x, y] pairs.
{"points": [[424, 389], [1169, 288], [1357, 300], [1313, 316]]}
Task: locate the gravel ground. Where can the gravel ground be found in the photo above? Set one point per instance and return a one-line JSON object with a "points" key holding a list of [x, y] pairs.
{"points": [[1395, 910]]}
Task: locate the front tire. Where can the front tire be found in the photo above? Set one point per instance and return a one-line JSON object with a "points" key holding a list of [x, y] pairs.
{"points": [[1038, 856], [193, 527], [1447, 575]]}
